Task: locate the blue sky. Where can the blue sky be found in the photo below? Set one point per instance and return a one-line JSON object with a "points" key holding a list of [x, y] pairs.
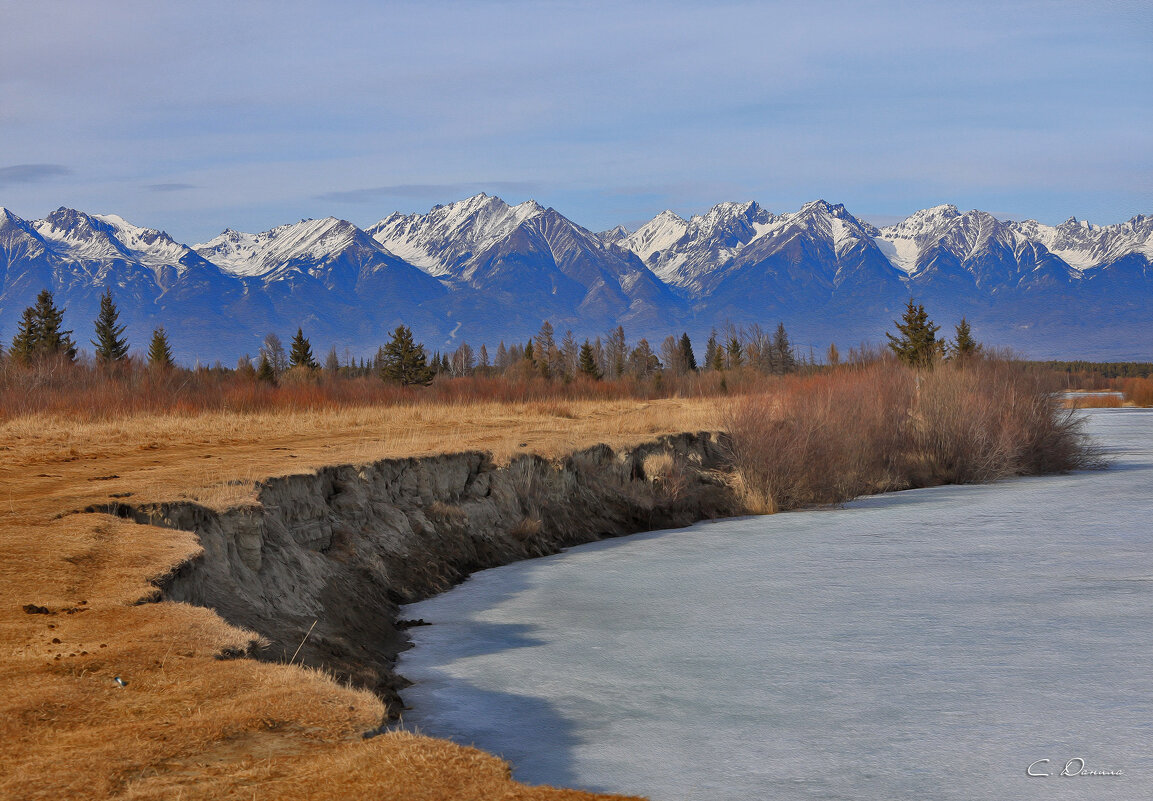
{"points": [[194, 117]]}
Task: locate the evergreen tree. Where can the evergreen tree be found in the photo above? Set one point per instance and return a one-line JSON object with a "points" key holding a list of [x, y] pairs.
{"points": [[546, 351], [713, 358], [735, 355], [917, 344], [265, 371], [783, 356], [25, 343], [687, 358], [484, 363], [159, 352], [332, 361], [964, 346], [588, 362], [39, 334], [403, 360], [111, 346], [301, 353]]}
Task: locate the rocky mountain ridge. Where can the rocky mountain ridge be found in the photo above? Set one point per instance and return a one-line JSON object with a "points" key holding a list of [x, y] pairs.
{"points": [[481, 270]]}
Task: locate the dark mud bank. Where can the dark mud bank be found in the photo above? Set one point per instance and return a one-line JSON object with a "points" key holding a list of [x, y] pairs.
{"points": [[339, 550]]}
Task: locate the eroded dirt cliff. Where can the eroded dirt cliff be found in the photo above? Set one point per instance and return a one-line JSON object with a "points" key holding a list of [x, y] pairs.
{"points": [[326, 558]]}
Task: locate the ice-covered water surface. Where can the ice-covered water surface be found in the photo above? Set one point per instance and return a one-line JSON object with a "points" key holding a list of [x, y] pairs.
{"points": [[927, 644]]}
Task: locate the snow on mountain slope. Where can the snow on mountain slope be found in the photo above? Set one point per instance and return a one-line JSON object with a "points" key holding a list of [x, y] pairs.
{"points": [[257, 255], [682, 253], [448, 236], [104, 240], [697, 255], [904, 242], [971, 246], [1084, 246], [658, 234]]}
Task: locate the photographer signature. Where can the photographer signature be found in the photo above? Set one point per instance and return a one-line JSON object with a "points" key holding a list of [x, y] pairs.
{"points": [[1074, 767]]}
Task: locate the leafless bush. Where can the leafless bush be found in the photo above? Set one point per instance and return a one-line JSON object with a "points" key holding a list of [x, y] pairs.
{"points": [[832, 437]]}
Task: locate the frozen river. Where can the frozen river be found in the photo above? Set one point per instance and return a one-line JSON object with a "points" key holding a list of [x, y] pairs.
{"points": [[932, 644]]}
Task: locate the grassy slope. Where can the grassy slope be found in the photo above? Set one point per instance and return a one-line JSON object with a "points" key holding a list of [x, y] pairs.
{"points": [[189, 724]]}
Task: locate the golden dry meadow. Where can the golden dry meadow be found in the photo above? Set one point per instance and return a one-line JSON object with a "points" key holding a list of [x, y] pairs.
{"points": [[188, 724]]}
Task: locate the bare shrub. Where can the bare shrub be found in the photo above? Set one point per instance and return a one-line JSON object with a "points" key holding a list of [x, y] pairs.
{"points": [[832, 437], [1138, 391]]}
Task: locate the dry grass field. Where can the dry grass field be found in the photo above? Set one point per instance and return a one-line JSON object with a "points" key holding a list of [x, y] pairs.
{"points": [[188, 724]]}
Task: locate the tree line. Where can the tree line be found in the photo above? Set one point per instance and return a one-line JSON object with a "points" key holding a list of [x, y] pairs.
{"points": [[405, 361]]}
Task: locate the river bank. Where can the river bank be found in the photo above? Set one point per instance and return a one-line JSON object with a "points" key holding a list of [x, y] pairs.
{"points": [[78, 592], [320, 563]]}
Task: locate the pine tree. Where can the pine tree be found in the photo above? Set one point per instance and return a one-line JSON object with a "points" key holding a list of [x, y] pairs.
{"points": [[403, 361], [714, 360], [588, 362], [783, 351], [687, 358], [735, 355], [301, 353], [265, 371], [546, 352], [24, 344], [39, 334], [964, 346], [917, 345], [159, 352], [111, 346]]}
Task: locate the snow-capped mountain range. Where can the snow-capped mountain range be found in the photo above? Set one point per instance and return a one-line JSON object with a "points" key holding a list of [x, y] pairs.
{"points": [[480, 270]]}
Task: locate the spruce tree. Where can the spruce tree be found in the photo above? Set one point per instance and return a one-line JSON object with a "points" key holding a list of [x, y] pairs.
{"points": [[159, 352], [403, 361], [688, 360], [783, 350], [27, 337], [546, 350], [111, 346], [735, 353], [964, 346], [588, 362], [265, 371], [301, 353], [39, 334], [917, 344], [714, 360]]}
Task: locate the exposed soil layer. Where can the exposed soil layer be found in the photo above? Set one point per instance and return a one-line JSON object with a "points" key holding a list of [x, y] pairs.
{"points": [[326, 558]]}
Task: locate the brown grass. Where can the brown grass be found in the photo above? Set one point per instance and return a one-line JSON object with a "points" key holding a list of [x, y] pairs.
{"points": [[830, 438], [188, 724], [1138, 391]]}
